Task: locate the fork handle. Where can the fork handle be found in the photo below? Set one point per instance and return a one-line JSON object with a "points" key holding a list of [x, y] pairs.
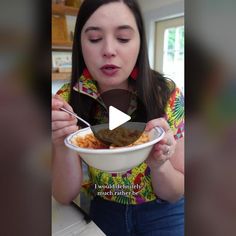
{"points": [[75, 115]]}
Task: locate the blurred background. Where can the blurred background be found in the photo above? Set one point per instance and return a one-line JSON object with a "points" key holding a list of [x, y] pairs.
{"points": [[210, 85], [25, 78], [198, 48]]}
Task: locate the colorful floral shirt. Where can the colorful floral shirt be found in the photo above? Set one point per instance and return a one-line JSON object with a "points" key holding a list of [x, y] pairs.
{"points": [[133, 186]]}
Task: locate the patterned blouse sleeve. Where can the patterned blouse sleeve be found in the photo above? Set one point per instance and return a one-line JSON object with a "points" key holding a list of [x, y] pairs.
{"points": [[175, 113], [64, 92]]}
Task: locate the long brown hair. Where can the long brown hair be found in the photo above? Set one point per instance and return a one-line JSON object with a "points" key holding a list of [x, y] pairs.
{"points": [[153, 89]]}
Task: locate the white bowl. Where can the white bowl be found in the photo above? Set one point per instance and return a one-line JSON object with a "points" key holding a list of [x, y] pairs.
{"points": [[118, 159]]}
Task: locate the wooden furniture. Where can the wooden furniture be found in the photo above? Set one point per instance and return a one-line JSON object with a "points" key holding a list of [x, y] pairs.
{"points": [[61, 76], [64, 10], [60, 37]]}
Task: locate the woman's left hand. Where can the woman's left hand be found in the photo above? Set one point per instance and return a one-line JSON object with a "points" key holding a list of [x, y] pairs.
{"points": [[163, 150]]}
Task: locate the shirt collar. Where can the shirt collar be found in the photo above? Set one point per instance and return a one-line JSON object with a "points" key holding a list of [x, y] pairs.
{"points": [[87, 86]]}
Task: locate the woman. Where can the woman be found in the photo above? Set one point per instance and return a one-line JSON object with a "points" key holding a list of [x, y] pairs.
{"points": [[109, 52]]}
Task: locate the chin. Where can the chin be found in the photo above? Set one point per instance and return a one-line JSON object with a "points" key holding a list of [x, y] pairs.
{"points": [[111, 82]]}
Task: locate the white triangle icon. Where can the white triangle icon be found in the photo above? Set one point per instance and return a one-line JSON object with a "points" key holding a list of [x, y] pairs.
{"points": [[116, 118]]}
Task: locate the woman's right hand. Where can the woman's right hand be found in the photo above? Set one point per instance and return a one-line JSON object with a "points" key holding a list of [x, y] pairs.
{"points": [[63, 124]]}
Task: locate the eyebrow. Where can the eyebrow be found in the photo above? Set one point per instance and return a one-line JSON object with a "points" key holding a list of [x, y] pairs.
{"points": [[121, 27], [92, 28], [125, 27]]}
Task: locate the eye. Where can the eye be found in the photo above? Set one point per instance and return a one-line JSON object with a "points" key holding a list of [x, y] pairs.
{"points": [[123, 40], [95, 40]]}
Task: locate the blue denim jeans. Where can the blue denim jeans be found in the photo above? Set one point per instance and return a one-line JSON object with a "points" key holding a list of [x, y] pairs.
{"points": [[155, 218]]}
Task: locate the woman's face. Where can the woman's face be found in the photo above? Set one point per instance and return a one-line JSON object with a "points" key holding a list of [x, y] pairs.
{"points": [[110, 44]]}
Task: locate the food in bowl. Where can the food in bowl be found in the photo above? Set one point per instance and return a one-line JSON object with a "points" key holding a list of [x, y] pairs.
{"points": [[115, 160], [119, 137], [90, 141]]}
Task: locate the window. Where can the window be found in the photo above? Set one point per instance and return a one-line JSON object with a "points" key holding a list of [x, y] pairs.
{"points": [[169, 53]]}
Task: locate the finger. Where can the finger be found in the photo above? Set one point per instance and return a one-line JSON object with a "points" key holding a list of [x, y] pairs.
{"points": [[61, 116], [65, 104], [157, 153], [167, 141], [61, 133], [162, 147], [163, 141], [61, 124], [56, 103], [68, 106], [166, 150], [159, 156], [157, 146], [58, 97], [157, 122], [163, 154]]}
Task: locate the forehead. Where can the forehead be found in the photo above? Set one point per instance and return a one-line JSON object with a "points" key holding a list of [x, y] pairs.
{"points": [[112, 15]]}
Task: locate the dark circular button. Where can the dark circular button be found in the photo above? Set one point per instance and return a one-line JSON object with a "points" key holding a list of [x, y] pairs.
{"points": [[125, 103]]}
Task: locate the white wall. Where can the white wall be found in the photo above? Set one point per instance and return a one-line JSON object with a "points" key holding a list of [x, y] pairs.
{"points": [[156, 10], [148, 5]]}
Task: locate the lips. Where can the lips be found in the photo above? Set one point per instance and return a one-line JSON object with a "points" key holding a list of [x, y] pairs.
{"points": [[109, 69], [109, 66]]}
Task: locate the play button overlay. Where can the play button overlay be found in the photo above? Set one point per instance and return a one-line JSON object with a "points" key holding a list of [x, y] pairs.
{"points": [[122, 119], [117, 118]]}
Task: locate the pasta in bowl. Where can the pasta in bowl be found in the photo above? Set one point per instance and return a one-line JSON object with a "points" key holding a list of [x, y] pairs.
{"points": [[117, 139], [113, 158]]}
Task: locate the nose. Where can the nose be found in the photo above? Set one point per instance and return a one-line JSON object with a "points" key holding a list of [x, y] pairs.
{"points": [[109, 48]]}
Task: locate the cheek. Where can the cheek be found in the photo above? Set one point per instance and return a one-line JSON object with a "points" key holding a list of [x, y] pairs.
{"points": [[130, 55], [89, 55], [136, 49], [86, 51]]}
